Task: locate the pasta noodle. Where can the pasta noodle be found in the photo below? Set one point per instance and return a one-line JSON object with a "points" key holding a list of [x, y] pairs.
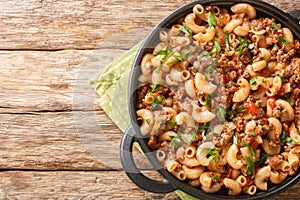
{"points": [[219, 100]]}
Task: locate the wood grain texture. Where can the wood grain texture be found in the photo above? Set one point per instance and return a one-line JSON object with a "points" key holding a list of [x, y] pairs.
{"points": [[60, 141], [86, 185], [56, 24], [73, 185], [45, 81]]}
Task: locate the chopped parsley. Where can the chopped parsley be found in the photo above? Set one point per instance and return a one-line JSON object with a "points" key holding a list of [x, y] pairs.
{"points": [[181, 57], [202, 128], [211, 19], [274, 25], [289, 100], [213, 155], [173, 122], [249, 147], [155, 87], [158, 69], [209, 70], [216, 177], [214, 61], [226, 37], [285, 139], [206, 53], [281, 39], [279, 113], [161, 52], [217, 45], [250, 169], [207, 100], [175, 140], [253, 81], [229, 84], [205, 138], [250, 46], [243, 134], [222, 113], [189, 138], [262, 159], [186, 30], [243, 43], [284, 80], [230, 113], [241, 109], [148, 121]]}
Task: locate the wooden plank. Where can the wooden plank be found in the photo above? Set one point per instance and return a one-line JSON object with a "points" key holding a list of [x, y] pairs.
{"points": [[43, 80], [56, 24], [61, 141], [72, 185], [86, 185]]}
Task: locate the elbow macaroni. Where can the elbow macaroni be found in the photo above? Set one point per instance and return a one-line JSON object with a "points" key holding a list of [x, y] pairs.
{"points": [[217, 96]]}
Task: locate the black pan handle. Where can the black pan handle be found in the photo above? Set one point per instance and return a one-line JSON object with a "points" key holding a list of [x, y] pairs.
{"points": [[134, 173], [295, 14]]}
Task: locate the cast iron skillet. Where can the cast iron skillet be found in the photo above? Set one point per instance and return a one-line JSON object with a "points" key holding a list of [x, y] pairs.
{"points": [[132, 134]]}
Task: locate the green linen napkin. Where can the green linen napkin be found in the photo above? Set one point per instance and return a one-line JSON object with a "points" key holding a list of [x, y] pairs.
{"points": [[112, 86]]}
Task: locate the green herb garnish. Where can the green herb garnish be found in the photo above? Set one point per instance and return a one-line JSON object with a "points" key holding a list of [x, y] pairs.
{"points": [[243, 43], [186, 30], [274, 25], [226, 37], [250, 46], [202, 128], [189, 138], [211, 19], [213, 155], [262, 159], [279, 113], [243, 134], [207, 100], [230, 113], [206, 53], [175, 140], [155, 103], [155, 87], [222, 113], [250, 167], [285, 139], [181, 57], [214, 61], [241, 109], [281, 39], [148, 121], [173, 122], [249, 147], [289, 100], [217, 45], [216, 177], [229, 84], [209, 70], [205, 138], [253, 81], [284, 80]]}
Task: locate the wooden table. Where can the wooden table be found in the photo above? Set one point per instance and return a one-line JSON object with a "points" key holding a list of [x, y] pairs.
{"points": [[49, 50]]}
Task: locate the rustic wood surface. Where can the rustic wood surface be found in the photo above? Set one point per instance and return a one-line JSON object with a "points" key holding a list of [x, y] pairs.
{"points": [[48, 51]]}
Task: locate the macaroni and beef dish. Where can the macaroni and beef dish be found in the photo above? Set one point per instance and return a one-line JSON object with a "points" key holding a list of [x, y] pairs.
{"points": [[219, 100]]}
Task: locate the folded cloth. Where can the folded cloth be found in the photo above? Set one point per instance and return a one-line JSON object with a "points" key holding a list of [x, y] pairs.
{"points": [[112, 86]]}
